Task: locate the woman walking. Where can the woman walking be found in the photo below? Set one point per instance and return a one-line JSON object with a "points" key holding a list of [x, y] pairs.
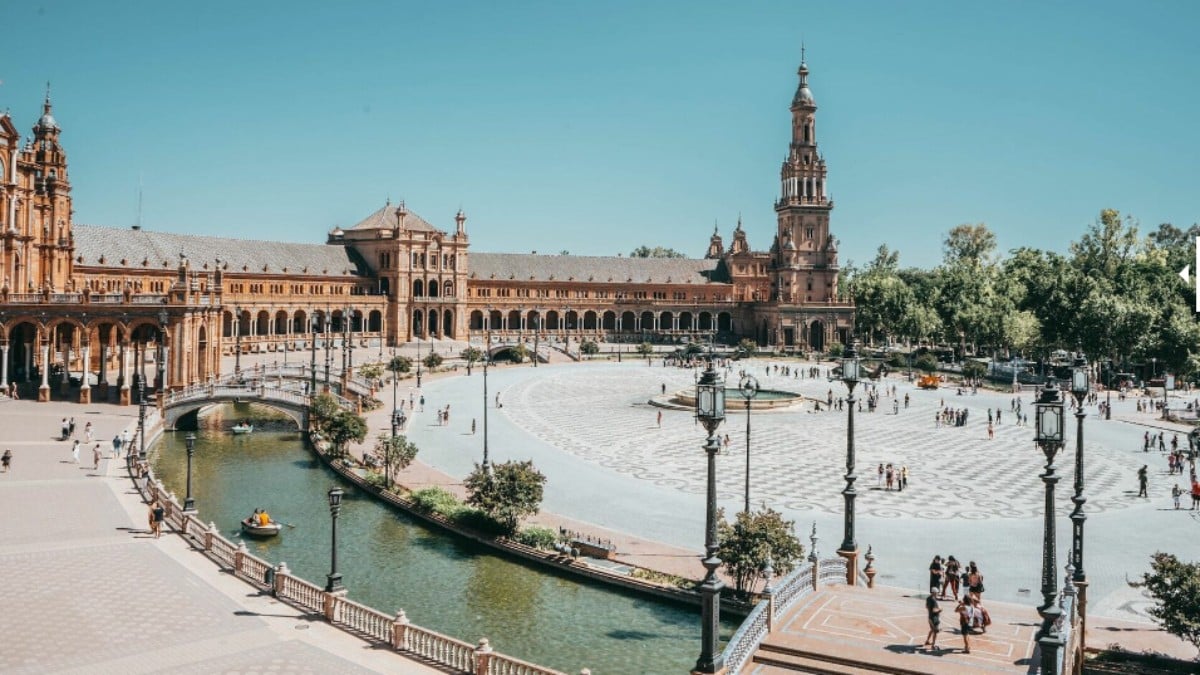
{"points": [[6, 460], [157, 515], [974, 581], [951, 578], [75, 451], [966, 617]]}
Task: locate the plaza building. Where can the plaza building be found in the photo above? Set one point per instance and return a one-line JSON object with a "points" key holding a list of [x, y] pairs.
{"points": [[119, 308]]}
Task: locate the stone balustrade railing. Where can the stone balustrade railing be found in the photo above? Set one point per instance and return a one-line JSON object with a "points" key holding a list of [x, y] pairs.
{"points": [[356, 385], [394, 631], [1069, 629]]}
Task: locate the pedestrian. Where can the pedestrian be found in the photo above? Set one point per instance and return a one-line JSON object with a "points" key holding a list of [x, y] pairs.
{"points": [[726, 441], [6, 460], [116, 446], [96, 457], [1176, 493], [446, 414], [87, 433], [439, 414], [75, 451], [891, 476], [422, 400], [659, 419], [991, 431], [935, 575], [903, 476], [934, 614], [879, 478], [472, 426], [664, 387], [125, 440], [951, 578], [966, 616], [66, 430], [157, 515], [974, 581], [1142, 479], [1195, 493], [71, 426]]}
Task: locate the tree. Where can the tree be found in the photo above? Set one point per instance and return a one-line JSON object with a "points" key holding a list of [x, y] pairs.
{"points": [[969, 243], [752, 539], [518, 352], [645, 349], [507, 493], [746, 347], [344, 428], [973, 370], [589, 347], [656, 252], [371, 372], [1175, 586], [926, 363], [433, 360], [399, 364], [322, 409], [397, 452], [471, 355]]}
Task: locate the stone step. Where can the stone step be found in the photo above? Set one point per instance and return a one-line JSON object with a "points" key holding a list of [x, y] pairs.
{"points": [[847, 660]]}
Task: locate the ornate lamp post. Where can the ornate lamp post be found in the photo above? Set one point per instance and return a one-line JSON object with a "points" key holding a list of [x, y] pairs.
{"points": [[537, 331], [328, 355], [849, 548], [418, 361], [487, 359], [142, 418], [189, 504], [749, 389], [710, 411], [1048, 434], [312, 386], [333, 582], [237, 336], [161, 355], [1079, 388]]}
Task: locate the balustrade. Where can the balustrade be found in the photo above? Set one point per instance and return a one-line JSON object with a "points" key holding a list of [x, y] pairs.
{"points": [[365, 620], [441, 649], [308, 596], [741, 646]]}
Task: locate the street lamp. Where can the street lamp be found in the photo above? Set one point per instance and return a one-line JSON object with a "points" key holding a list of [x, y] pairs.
{"points": [[1079, 387], [237, 336], [1048, 434], [334, 578], [189, 504], [418, 337], [537, 330], [142, 418], [486, 361], [328, 324], [850, 374], [312, 387], [749, 389], [710, 411], [162, 338]]}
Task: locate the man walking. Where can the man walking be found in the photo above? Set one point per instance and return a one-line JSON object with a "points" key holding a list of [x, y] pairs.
{"points": [[116, 446], [1142, 478]]}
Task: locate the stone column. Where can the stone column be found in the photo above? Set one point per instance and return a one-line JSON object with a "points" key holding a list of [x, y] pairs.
{"points": [[85, 389], [123, 397], [44, 389], [28, 361], [4, 364], [64, 384]]}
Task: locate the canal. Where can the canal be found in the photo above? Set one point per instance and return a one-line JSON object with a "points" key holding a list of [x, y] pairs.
{"points": [[390, 561]]}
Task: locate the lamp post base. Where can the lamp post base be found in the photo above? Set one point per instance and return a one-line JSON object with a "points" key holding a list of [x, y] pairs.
{"points": [[333, 583], [44, 394], [851, 557], [85, 395]]}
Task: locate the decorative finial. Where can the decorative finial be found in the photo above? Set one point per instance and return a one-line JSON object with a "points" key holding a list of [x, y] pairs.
{"points": [[47, 92], [389, 200], [802, 50], [714, 226], [739, 224]]}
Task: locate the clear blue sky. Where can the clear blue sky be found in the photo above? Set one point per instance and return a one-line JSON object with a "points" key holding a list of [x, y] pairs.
{"points": [[600, 126]]}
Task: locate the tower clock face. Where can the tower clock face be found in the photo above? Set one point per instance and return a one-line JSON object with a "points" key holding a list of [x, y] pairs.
{"points": [[706, 402]]}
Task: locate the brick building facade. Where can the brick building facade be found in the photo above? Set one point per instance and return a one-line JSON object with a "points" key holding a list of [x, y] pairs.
{"points": [[109, 301]]}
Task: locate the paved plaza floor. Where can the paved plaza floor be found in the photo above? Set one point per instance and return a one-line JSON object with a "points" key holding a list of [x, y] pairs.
{"points": [[589, 428], [90, 591]]}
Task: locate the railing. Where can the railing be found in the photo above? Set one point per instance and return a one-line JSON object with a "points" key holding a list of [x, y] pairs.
{"points": [[107, 299], [143, 299], [25, 297], [793, 587], [753, 630], [832, 570], [396, 632], [1068, 629], [440, 649], [309, 596]]}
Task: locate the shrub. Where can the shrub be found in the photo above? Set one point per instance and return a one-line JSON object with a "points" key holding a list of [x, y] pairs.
{"points": [[508, 492], [589, 347], [927, 363], [437, 500], [432, 361], [834, 350], [538, 537], [479, 521]]}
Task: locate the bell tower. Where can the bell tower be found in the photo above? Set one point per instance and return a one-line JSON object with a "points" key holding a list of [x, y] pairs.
{"points": [[805, 254], [43, 215]]}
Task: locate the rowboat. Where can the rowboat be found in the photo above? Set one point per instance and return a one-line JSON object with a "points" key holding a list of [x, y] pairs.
{"points": [[255, 530], [242, 428]]}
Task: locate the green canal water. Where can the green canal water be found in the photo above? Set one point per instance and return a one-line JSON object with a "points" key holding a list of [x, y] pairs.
{"points": [[390, 562]]}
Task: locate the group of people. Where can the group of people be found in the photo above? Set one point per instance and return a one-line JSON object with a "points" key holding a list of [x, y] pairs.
{"points": [[950, 417], [890, 476], [260, 517], [973, 618], [1177, 493]]}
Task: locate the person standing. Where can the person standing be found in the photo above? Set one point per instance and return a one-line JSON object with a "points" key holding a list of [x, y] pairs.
{"points": [[974, 581], [66, 430], [659, 419], [903, 476], [157, 515], [116, 446], [75, 451], [934, 614], [96, 457], [1176, 493], [951, 577], [966, 616], [1142, 480], [1195, 494], [6, 460], [935, 575], [71, 426], [472, 426], [87, 433]]}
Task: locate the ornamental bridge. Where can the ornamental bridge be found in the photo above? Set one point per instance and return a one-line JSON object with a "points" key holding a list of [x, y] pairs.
{"points": [[187, 402]]}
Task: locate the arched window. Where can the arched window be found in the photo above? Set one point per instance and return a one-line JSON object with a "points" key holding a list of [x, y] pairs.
{"points": [[433, 288], [448, 289], [418, 288]]}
